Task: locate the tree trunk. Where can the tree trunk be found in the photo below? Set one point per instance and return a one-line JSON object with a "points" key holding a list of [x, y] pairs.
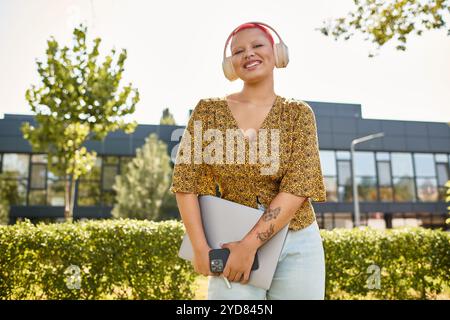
{"points": [[72, 195], [67, 214]]}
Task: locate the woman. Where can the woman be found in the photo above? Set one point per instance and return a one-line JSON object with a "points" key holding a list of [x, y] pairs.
{"points": [[285, 191]]}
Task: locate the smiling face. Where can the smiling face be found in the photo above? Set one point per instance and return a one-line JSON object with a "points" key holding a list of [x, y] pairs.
{"points": [[252, 55]]}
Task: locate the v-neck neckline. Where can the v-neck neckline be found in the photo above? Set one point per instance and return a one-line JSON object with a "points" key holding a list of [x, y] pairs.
{"points": [[227, 107]]}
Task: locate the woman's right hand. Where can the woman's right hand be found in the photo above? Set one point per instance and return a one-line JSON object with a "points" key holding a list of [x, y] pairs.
{"points": [[201, 261]]}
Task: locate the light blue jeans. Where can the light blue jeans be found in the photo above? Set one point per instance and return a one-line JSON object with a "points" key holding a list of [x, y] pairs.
{"points": [[300, 273]]}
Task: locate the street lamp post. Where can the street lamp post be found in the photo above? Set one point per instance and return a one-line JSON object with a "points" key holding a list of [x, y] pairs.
{"points": [[355, 187]]}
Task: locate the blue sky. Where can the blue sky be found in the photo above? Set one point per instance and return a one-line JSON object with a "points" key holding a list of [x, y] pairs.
{"points": [[175, 55]]}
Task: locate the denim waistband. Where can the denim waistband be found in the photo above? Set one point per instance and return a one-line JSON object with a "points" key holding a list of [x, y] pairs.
{"points": [[312, 228], [308, 236]]}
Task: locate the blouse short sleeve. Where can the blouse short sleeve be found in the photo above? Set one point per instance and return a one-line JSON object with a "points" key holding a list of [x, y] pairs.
{"points": [[192, 176], [303, 177]]}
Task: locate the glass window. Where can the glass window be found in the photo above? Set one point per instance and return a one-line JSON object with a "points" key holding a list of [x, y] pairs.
{"points": [[88, 193], [21, 198], [109, 175], [367, 188], [364, 164], [94, 174], [55, 191], [330, 186], [384, 173], [37, 197], [345, 177], [345, 193], [386, 194], [424, 164], [383, 156], [402, 164], [343, 155], [442, 173], [16, 164], [38, 176], [39, 158], [404, 189], [13, 189], [441, 157], [328, 162], [110, 160], [427, 189]]}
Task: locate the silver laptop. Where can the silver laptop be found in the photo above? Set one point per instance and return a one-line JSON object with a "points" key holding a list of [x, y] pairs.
{"points": [[226, 221]]}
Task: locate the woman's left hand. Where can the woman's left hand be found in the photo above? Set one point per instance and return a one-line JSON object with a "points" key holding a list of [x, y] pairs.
{"points": [[239, 262]]}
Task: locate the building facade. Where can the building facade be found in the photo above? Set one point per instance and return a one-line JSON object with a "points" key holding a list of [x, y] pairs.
{"points": [[400, 177]]}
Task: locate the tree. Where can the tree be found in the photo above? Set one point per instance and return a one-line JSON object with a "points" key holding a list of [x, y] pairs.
{"points": [[141, 188], [169, 206], [383, 21], [167, 118], [9, 194], [78, 99]]}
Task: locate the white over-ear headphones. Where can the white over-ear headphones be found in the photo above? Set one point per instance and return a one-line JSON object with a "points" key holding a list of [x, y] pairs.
{"points": [[280, 51]]}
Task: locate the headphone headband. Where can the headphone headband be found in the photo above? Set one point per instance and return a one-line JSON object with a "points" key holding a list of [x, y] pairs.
{"points": [[260, 23]]}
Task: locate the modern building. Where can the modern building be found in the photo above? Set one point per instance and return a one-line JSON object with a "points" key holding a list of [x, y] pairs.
{"points": [[400, 177]]}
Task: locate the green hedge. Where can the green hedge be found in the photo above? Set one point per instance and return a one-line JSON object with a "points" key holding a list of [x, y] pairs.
{"points": [[111, 259], [413, 263], [131, 259]]}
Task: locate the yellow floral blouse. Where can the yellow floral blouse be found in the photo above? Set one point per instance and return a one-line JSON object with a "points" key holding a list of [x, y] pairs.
{"points": [[299, 170]]}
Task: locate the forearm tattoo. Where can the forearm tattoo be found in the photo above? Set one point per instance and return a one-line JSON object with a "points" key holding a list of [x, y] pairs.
{"points": [[265, 235], [270, 214]]}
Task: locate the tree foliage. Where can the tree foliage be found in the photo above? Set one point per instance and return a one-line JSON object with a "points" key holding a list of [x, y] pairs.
{"points": [[167, 118], [140, 190], [78, 98], [391, 20], [9, 194]]}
